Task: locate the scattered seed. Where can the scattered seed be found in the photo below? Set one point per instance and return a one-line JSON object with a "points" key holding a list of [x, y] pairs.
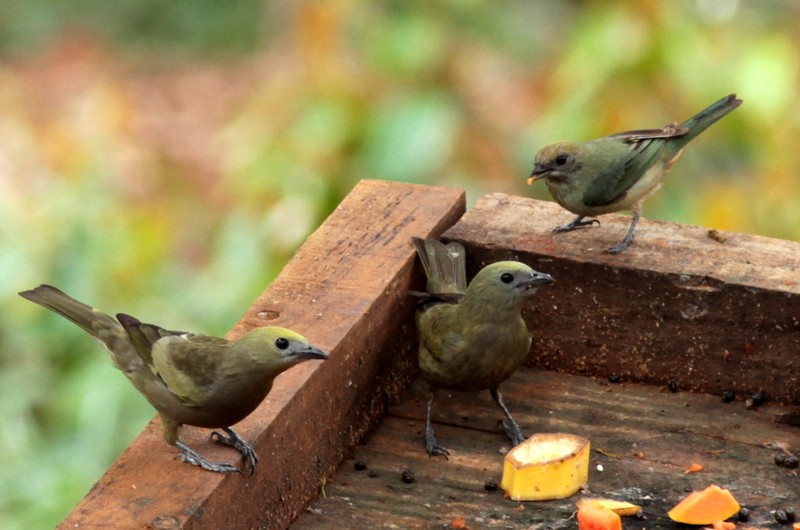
{"points": [[672, 386], [408, 477], [490, 485], [728, 396], [360, 465], [743, 515], [640, 516], [614, 378], [372, 473], [780, 459], [781, 517], [758, 399], [790, 515], [792, 461]]}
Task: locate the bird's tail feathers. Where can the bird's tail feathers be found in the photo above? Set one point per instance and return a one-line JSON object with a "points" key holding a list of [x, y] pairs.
{"points": [[445, 265], [77, 312], [705, 118]]}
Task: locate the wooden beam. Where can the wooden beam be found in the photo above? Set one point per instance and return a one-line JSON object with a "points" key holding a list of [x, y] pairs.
{"points": [[710, 311], [344, 290]]}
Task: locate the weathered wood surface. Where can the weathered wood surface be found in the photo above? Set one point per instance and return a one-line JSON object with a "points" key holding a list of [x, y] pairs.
{"points": [[345, 290], [649, 436], [677, 305]]}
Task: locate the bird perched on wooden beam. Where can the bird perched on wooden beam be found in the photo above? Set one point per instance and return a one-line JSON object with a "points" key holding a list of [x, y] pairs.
{"points": [[190, 379], [618, 172], [471, 337]]}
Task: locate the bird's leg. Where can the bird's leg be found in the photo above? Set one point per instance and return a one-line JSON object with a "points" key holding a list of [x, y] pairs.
{"points": [[616, 249], [511, 428], [236, 441], [189, 455], [576, 223], [430, 440]]}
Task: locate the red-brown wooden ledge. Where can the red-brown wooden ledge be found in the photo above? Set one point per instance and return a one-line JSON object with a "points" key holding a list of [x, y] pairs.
{"points": [[345, 291]]}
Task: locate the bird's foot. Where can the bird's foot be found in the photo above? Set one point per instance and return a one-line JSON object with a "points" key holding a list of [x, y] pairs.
{"points": [[435, 449], [576, 223], [191, 456], [432, 447], [512, 431], [622, 245], [234, 440]]}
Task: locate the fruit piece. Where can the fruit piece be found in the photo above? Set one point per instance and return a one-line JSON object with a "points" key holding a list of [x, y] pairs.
{"points": [[621, 508], [722, 525], [705, 507], [545, 467], [592, 515], [694, 468]]}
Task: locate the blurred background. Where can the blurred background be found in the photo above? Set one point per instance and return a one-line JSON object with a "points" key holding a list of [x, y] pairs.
{"points": [[165, 159]]}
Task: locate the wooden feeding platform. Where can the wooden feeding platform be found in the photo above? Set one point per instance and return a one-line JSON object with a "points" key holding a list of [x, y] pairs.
{"points": [[707, 312]]}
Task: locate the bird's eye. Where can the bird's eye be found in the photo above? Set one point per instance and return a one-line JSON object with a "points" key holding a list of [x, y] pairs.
{"points": [[561, 160], [281, 343], [506, 277]]}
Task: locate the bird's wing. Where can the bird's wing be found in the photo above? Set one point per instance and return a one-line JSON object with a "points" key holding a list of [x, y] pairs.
{"points": [[440, 334], [632, 153], [144, 336], [189, 364]]}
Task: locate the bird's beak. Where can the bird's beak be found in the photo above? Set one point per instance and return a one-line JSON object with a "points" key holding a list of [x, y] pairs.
{"points": [[538, 173], [538, 278], [311, 352]]}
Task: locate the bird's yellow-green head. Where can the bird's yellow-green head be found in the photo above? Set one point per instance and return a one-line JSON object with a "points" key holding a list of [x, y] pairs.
{"points": [[278, 347], [505, 282], [556, 162]]}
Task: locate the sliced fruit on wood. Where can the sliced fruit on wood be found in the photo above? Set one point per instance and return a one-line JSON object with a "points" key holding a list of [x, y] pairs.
{"points": [[705, 507], [546, 466]]}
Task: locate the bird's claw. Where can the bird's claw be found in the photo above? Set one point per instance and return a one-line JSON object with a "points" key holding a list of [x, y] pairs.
{"points": [[234, 440], [190, 456], [437, 450], [513, 432], [574, 225]]}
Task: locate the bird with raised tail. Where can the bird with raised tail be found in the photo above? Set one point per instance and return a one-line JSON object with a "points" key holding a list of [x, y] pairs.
{"points": [[618, 172], [471, 337]]}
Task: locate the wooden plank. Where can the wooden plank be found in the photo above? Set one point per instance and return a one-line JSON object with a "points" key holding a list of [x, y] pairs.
{"points": [[345, 290], [677, 305], [649, 437]]}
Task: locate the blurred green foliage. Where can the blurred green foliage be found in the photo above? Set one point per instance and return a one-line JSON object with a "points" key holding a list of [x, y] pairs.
{"points": [[166, 159]]}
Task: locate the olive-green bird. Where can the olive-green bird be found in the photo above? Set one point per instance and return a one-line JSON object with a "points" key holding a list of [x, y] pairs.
{"points": [[617, 172], [190, 379], [471, 338]]}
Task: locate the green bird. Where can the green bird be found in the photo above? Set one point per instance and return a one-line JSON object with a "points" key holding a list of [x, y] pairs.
{"points": [[471, 337], [190, 379], [617, 172]]}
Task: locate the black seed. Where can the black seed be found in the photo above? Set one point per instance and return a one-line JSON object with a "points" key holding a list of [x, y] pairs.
{"points": [[781, 517], [639, 516], [408, 476], [673, 386], [614, 378], [360, 465], [790, 514], [758, 399], [744, 515], [372, 473], [792, 461], [490, 485], [780, 459], [728, 396]]}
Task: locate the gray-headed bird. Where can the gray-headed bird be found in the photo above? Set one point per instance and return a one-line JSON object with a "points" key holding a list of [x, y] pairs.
{"points": [[190, 379], [471, 337], [617, 172]]}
